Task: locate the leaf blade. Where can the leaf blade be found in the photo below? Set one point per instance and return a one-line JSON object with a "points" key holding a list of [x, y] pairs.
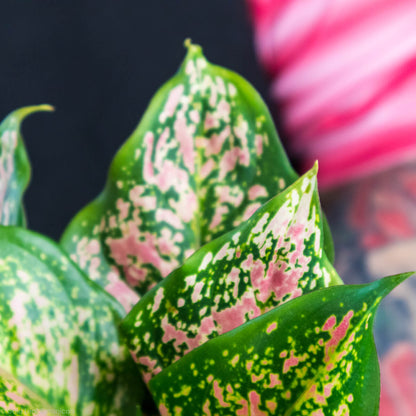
{"points": [[204, 157], [273, 257], [14, 165], [276, 363], [15, 398], [59, 332]]}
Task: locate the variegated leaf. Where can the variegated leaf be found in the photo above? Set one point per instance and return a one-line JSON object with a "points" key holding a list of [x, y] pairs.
{"points": [[313, 356], [14, 165], [58, 330], [273, 257], [17, 399], [205, 156]]}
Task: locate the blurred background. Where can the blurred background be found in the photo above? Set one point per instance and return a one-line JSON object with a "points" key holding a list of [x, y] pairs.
{"points": [[99, 64]]}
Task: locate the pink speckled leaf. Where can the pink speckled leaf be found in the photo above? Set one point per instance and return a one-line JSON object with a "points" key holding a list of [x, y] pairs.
{"points": [[205, 156], [59, 331], [14, 165], [273, 257], [17, 399], [313, 356]]}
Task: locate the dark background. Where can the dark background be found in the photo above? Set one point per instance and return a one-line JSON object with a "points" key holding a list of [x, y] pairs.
{"points": [[99, 63]]}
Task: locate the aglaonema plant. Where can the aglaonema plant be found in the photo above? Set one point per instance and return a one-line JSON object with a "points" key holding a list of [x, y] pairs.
{"points": [[220, 252], [59, 330], [273, 257], [204, 157], [59, 339], [14, 166], [312, 356]]}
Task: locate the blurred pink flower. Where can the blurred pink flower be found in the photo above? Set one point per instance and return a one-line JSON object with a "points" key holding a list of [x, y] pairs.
{"points": [[398, 382], [382, 208], [344, 78]]}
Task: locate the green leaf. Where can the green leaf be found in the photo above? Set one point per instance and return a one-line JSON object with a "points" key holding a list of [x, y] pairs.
{"points": [[271, 258], [17, 399], [328, 241], [14, 165], [314, 356], [204, 157], [58, 330]]}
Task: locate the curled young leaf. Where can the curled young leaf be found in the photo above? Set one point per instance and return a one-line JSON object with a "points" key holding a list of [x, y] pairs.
{"points": [[58, 330], [314, 355], [273, 257], [205, 156], [14, 165]]}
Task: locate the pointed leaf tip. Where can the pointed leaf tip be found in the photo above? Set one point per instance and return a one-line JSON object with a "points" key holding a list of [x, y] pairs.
{"points": [[391, 282], [23, 112], [193, 49], [187, 43], [15, 173], [313, 171], [315, 167]]}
